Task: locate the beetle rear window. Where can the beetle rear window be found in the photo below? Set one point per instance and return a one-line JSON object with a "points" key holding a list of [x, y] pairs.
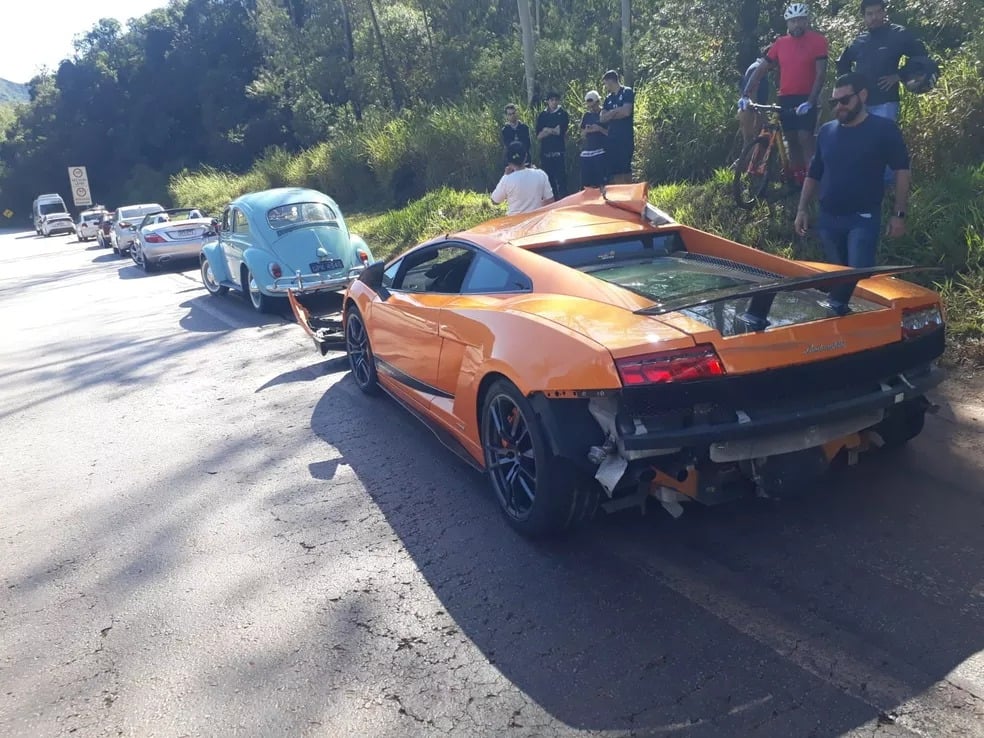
{"points": [[301, 213]]}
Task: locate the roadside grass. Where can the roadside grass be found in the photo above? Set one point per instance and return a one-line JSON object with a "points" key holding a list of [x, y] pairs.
{"points": [[443, 211]]}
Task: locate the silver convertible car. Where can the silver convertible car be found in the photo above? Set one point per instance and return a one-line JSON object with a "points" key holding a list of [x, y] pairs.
{"points": [[170, 235], [285, 240]]}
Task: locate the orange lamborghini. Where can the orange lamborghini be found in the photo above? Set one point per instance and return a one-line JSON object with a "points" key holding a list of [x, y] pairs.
{"points": [[596, 352]]}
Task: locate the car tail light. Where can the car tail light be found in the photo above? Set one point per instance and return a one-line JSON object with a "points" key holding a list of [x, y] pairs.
{"points": [[699, 362], [363, 257], [154, 238], [276, 271], [124, 224], [917, 321]]}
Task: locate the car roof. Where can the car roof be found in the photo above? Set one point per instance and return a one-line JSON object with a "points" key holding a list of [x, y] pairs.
{"points": [[140, 205], [265, 200]]}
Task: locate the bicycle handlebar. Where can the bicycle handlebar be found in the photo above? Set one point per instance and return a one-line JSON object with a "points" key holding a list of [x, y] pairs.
{"points": [[766, 108]]}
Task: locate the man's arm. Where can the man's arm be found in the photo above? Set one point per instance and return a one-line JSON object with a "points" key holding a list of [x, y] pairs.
{"points": [[810, 186], [760, 71], [845, 63], [499, 193], [806, 197], [546, 191], [541, 129], [896, 224], [623, 111]]}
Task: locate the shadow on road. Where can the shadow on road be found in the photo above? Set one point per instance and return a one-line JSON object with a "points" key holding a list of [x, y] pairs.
{"points": [[661, 626]]}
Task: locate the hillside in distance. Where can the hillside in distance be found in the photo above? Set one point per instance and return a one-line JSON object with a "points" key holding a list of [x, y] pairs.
{"points": [[11, 92]]}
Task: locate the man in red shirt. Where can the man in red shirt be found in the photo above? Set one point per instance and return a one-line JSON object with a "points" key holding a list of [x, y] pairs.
{"points": [[801, 56]]}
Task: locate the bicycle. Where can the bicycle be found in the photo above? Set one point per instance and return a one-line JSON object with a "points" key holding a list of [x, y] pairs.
{"points": [[762, 171]]}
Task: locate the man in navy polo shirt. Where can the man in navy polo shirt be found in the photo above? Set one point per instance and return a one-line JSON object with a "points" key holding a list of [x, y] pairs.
{"points": [[617, 114], [848, 171]]}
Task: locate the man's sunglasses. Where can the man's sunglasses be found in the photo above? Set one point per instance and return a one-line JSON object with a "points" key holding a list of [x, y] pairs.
{"points": [[835, 101]]}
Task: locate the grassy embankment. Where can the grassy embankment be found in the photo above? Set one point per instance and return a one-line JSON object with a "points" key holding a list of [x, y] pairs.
{"points": [[404, 180]]}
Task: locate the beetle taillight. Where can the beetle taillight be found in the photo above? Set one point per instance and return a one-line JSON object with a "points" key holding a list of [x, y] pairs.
{"points": [[276, 271], [363, 257], [700, 362]]}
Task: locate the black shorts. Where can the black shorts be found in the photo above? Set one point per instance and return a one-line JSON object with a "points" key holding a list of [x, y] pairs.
{"points": [[793, 122], [619, 156], [594, 170]]}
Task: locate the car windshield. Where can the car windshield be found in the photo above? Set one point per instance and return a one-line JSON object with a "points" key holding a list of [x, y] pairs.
{"points": [[138, 211], [51, 207], [301, 213], [659, 269], [175, 215]]}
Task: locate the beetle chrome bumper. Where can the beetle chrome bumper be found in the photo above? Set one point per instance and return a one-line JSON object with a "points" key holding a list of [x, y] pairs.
{"points": [[307, 283]]}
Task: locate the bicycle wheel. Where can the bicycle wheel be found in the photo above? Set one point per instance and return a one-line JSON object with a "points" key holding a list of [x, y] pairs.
{"points": [[756, 174]]}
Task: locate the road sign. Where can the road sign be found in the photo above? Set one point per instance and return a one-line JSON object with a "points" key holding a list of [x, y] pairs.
{"points": [[79, 180]]}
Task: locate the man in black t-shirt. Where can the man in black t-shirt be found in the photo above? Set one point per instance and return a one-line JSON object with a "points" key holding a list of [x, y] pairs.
{"points": [[515, 130], [594, 169], [618, 116], [551, 132]]}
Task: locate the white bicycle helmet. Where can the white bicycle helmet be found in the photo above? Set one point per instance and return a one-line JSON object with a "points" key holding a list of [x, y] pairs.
{"points": [[797, 10]]}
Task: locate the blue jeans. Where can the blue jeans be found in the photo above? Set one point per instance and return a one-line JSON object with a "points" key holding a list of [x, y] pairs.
{"points": [[850, 240], [888, 110]]}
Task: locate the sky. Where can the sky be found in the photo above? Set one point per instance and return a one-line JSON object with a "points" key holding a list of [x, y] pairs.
{"points": [[35, 33]]}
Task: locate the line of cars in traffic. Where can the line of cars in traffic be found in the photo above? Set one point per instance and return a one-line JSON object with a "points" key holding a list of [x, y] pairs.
{"points": [[149, 233], [594, 353]]}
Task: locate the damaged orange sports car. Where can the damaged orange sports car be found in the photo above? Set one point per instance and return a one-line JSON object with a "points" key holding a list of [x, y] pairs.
{"points": [[597, 353]]}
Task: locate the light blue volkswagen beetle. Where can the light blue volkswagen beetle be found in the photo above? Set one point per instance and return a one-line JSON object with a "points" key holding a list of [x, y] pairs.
{"points": [[288, 238]]}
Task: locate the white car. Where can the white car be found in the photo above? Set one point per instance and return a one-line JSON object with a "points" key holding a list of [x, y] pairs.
{"points": [[88, 225], [128, 217], [57, 223]]}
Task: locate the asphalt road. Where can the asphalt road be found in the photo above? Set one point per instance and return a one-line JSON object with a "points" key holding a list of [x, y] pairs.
{"points": [[205, 529]]}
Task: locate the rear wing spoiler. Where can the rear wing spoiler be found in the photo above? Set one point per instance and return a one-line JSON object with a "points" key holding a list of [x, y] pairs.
{"points": [[762, 295]]}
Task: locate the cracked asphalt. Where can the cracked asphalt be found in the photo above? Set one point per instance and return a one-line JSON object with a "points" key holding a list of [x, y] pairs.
{"points": [[205, 529]]}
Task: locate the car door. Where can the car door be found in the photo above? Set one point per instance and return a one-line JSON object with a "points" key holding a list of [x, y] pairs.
{"points": [[405, 319], [235, 240]]}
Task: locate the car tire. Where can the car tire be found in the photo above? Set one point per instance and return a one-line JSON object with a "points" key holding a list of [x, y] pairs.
{"points": [[261, 303], [359, 350], [213, 285], [539, 493], [141, 261], [902, 423]]}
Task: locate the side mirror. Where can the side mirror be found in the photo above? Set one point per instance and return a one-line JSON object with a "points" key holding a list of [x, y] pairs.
{"points": [[372, 275]]}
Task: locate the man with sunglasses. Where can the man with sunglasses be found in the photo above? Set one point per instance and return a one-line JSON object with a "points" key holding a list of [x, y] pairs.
{"points": [[847, 173]]}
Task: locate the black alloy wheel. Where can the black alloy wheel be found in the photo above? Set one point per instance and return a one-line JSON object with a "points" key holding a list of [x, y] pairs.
{"points": [[539, 493], [360, 353]]}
